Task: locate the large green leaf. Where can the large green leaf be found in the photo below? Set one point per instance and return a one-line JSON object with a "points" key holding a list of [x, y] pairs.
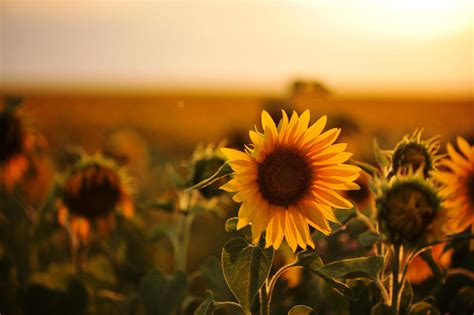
{"points": [[423, 308], [368, 238], [354, 268], [162, 295], [207, 306], [301, 310], [246, 267], [310, 260]]}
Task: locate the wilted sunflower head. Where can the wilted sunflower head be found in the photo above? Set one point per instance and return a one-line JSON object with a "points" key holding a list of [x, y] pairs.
{"points": [[413, 153], [290, 177], [457, 186], [410, 210], [206, 162], [94, 188]]}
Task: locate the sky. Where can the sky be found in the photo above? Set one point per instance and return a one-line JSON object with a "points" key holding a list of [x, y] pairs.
{"points": [[367, 46]]}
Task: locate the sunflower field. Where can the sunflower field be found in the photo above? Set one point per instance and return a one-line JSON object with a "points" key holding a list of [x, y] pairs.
{"points": [[116, 208]]}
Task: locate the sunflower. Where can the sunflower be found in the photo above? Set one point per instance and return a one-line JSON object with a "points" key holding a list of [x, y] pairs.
{"points": [[14, 146], [205, 162], [458, 186], [409, 210], [418, 270], [413, 153], [91, 192], [290, 177]]}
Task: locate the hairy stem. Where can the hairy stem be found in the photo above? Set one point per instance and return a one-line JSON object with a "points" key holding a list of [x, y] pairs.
{"points": [[395, 279]]}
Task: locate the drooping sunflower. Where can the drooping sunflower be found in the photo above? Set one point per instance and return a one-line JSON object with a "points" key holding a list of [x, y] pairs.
{"points": [[289, 178], [413, 153], [410, 210], [90, 193], [419, 270], [458, 186]]}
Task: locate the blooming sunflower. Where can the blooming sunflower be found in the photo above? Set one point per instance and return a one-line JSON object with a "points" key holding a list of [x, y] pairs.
{"points": [[458, 186], [418, 270], [91, 192], [290, 177]]}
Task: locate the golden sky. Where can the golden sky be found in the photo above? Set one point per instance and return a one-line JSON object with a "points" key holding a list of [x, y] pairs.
{"points": [[366, 46]]}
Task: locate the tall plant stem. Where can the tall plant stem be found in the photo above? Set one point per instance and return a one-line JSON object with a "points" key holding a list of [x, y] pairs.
{"points": [[264, 300], [395, 279]]}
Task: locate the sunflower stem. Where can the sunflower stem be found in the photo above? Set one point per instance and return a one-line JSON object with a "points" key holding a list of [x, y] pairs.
{"points": [[264, 300], [272, 283], [395, 279]]}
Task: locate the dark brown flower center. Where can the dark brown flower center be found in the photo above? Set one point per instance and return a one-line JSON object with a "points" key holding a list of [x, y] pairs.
{"points": [[284, 177], [92, 192], [11, 137]]}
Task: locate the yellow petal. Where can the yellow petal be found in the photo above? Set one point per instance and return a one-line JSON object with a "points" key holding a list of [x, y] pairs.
{"points": [[232, 154], [315, 130], [457, 158], [267, 122], [464, 146], [331, 159], [332, 199]]}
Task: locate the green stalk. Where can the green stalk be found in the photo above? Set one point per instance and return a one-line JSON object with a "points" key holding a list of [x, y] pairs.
{"points": [[264, 301], [395, 279]]}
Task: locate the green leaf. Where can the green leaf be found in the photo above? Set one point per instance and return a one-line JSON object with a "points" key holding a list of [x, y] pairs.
{"points": [[423, 308], [338, 286], [368, 238], [162, 295], [344, 215], [406, 297], [314, 263], [380, 157], [246, 267], [354, 268], [308, 258], [207, 306], [223, 171], [381, 309], [301, 310]]}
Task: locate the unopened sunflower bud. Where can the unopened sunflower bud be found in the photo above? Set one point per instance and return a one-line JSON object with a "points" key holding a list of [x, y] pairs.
{"points": [[414, 154]]}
